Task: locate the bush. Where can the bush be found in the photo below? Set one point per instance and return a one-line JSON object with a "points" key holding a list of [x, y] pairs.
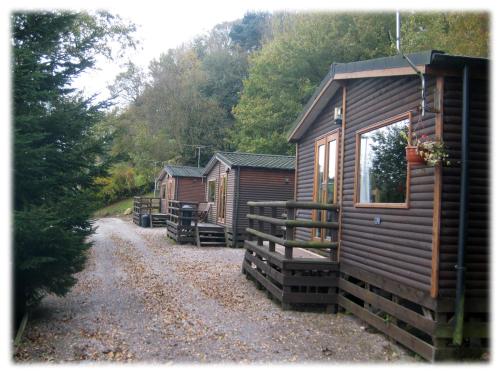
{"points": [[123, 182]]}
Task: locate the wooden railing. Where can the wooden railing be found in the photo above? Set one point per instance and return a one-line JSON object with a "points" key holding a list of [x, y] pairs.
{"points": [[182, 223], [262, 213], [145, 206]]}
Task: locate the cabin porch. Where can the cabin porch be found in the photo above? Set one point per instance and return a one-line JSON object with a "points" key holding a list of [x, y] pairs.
{"points": [[185, 225], [147, 212], [295, 276], [282, 265]]}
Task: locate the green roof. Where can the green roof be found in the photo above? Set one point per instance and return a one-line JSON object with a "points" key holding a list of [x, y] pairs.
{"points": [[248, 160], [181, 171]]}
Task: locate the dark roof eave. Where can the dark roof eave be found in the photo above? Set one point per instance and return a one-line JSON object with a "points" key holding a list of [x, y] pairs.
{"points": [[224, 157], [180, 171], [327, 89]]}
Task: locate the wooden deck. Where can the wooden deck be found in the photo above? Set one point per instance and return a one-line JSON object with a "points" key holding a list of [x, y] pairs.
{"points": [[294, 275], [283, 266], [182, 221], [211, 235], [298, 252], [306, 279], [151, 207], [183, 226]]}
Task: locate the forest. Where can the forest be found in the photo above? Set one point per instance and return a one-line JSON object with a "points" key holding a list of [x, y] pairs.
{"points": [[241, 86], [238, 87]]}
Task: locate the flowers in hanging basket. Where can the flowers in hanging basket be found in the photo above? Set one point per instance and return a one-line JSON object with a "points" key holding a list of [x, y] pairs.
{"points": [[431, 151], [422, 149]]}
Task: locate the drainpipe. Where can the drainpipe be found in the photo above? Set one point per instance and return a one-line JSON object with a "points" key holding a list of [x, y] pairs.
{"points": [[463, 219]]}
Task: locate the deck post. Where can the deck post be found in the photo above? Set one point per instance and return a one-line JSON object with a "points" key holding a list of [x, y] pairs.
{"points": [[250, 222], [260, 242], [290, 215], [274, 214]]}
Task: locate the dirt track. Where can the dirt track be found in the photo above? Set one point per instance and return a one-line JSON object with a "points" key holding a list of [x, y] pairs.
{"points": [[141, 298]]}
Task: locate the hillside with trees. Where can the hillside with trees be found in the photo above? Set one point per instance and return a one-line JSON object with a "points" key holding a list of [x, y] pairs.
{"points": [[242, 85], [238, 87]]}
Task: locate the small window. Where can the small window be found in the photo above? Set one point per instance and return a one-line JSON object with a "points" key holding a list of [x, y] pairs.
{"points": [[382, 170], [211, 191]]}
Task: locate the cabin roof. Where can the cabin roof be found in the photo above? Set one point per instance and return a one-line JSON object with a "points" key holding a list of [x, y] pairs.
{"points": [[249, 160], [379, 67], [181, 171]]}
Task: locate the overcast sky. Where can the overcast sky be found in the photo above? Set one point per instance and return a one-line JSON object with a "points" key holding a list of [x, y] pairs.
{"points": [[167, 24]]}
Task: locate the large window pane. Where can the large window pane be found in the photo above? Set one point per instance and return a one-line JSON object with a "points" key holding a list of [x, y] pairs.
{"points": [[332, 170], [382, 164], [321, 170], [319, 181], [211, 191]]}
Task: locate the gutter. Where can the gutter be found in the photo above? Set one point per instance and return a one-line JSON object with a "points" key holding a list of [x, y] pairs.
{"points": [[422, 82], [464, 210], [413, 66]]}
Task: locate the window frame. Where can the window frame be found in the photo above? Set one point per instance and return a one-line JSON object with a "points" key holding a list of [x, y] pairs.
{"points": [[171, 189], [163, 190], [214, 192], [222, 203], [378, 125], [324, 140]]}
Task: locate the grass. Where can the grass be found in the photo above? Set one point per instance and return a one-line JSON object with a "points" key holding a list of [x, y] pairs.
{"points": [[117, 208]]}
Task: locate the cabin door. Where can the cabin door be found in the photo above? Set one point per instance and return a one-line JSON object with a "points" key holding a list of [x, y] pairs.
{"points": [[170, 190], [221, 199], [163, 196], [325, 180]]}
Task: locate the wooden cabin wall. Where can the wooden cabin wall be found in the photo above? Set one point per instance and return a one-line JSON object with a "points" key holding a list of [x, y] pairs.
{"points": [[262, 185], [400, 248], [214, 174], [163, 201], [477, 253], [231, 182], [191, 189], [305, 159]]}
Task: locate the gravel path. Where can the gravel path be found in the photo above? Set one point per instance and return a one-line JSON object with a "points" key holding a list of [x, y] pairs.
{"points": [[142, 298]]}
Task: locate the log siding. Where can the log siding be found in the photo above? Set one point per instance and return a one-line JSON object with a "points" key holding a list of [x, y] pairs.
{"points": [[243, 185], [477, 254], [403, 246], [190, 189]]}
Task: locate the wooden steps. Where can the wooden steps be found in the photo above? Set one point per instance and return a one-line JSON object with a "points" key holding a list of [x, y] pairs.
{"points": [[159, 220], [211, 235], [150, 207]]}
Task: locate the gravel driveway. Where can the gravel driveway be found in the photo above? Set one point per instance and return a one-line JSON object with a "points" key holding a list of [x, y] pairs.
{"points": [[142, 298]]}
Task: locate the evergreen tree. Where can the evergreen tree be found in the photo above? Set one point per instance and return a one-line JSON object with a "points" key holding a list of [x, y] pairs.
{"points": [[55, 146]]}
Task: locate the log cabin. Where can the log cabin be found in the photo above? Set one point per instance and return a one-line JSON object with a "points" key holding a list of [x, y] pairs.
{"points": [[409, 240], [180, 183], [233, 178]]}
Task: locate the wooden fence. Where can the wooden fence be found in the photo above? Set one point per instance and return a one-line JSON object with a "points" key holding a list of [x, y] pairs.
{"points": [[269, 259], [182, 222], [151, 207]]}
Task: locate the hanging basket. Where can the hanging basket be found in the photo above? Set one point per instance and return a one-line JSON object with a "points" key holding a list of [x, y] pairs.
{"points": [[413, 157]]}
